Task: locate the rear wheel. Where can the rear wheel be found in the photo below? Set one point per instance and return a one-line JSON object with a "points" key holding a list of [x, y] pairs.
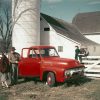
{"points": [[51, 80]]}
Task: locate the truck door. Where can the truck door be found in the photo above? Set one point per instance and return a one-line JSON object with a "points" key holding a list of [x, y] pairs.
{"points": [[30, 65]]}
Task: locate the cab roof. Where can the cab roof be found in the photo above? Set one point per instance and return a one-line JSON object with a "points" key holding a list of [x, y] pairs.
{"points": [[42, 46]]}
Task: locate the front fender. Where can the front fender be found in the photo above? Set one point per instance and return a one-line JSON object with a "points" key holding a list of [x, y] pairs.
{"points": [[59, 74]]}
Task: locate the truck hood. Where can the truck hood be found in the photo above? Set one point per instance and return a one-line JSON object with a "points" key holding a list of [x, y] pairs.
{"points": [[62, 62]]}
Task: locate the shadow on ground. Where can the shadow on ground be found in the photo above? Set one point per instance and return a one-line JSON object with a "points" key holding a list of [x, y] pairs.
{"points": [[77, 81], [35, 80]]}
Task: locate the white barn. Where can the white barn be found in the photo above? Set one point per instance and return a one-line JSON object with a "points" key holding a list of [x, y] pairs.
{"points": [[62, 35], [89, 25]]}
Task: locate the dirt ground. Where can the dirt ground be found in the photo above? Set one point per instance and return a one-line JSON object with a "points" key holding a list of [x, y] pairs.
{"points": [[85, 89]]}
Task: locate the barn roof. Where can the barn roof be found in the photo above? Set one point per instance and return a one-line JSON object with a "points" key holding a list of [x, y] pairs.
{"points": [[67, 29], [88, 23]]}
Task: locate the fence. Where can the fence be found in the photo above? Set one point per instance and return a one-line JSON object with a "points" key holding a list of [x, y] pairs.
{"points": [[92, 64]]}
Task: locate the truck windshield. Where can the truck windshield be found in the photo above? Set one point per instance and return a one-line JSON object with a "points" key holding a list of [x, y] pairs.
{"points": [[48, 52]]}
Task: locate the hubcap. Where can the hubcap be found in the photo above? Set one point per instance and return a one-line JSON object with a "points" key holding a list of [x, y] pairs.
{"points": [[49, 80]]}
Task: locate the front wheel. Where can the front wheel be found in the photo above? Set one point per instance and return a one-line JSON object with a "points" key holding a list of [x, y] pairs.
{"points": [[51, 80]]}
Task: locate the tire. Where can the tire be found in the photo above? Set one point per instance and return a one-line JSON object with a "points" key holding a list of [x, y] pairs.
{"points": [[26, 79], [51, 80]]}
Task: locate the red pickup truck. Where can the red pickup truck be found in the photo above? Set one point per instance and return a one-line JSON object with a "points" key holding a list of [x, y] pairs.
{"points": [[45, 63]]}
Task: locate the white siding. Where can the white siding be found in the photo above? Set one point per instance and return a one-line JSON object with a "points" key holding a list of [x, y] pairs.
{"points": [[95, 38], [44, 35], [94, 50], [56, 39]]}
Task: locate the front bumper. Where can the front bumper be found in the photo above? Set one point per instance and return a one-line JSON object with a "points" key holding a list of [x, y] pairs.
{"points": [[74, 76]]}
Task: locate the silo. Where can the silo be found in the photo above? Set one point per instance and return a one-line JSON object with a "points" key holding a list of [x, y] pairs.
{"points": [[26, 17]]}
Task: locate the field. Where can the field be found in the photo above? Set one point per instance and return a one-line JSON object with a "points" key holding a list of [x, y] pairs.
{"points": [[84, 89]]}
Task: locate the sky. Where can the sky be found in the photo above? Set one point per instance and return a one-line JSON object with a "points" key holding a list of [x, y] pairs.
{"points": [[67, 9]]}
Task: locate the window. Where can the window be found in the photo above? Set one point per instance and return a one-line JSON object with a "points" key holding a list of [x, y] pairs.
{"points": [[47, 29], [48, 52], [40, 19], [60, 48], [32, 54], [25, 51]]}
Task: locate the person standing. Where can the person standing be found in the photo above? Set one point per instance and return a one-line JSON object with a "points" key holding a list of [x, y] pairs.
{"points": [[77, 52], [4, 65], [14, 58]]}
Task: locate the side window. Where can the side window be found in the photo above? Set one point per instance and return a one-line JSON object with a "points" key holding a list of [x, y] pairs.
{"points": [[47, 29], [52, 52], [32, 54], [37, 52], [25, 52], [43, 52]]}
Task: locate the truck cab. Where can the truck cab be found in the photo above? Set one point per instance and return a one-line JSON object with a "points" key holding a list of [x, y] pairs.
{"points": [[44, 62]]}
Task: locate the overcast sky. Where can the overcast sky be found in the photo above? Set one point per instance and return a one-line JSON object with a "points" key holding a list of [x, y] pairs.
{"points": [[67, 9]]}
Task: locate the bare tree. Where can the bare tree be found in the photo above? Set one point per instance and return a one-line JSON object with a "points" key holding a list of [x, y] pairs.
{"points": [[5, 17], [9, 19]]}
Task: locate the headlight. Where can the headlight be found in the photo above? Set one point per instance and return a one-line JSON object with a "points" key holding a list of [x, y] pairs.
{"points": [[67, 72], [72, 71]]}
